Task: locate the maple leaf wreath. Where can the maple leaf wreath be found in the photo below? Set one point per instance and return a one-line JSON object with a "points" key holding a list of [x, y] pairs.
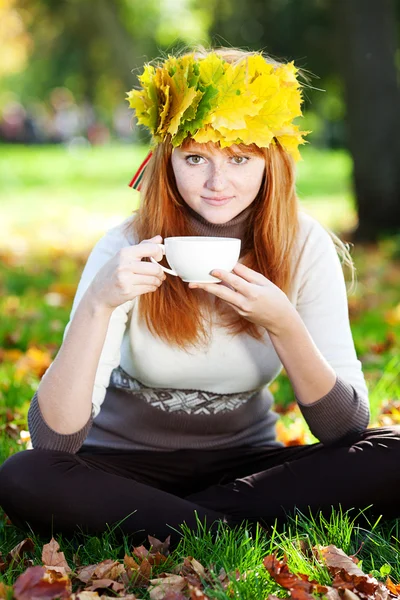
{"points": [[251, 101]]}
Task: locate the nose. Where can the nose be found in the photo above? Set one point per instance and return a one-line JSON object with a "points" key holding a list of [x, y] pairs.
{"points": [[216, 180]]}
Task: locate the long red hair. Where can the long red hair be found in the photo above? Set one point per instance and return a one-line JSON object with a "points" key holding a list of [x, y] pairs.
{"points": [[176, 313]]}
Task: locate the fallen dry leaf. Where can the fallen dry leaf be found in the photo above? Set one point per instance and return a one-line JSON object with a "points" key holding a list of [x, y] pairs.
{"points": [[163, 585], [103, 570], [16, 555], [348, 576], [53, 559], [158, 546], [34, 584], [85, 573], [104, 584], [392, 587], [335, 558], [299, 585], [197, 594]]}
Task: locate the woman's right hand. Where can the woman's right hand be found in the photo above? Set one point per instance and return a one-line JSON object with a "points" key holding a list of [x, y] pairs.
{"points": [[125, 276]]}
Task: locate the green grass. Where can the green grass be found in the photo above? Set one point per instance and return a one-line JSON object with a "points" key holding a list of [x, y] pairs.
{"points": [[54, 204], [240, 551]]}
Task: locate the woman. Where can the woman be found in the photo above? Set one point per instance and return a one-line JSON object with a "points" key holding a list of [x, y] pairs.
{"points": [[156, 409]]}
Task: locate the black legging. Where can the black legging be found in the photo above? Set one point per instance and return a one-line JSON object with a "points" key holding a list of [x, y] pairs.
{"points": [[57, 492]]}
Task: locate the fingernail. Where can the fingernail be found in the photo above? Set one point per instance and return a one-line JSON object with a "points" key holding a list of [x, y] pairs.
{"points": [[215, 273]]}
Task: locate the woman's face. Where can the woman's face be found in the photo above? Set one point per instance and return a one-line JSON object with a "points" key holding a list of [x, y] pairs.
{"points": [[217, 186]]}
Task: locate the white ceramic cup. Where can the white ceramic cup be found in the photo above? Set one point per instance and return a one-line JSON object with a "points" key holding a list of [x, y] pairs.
{"points": [[192, 258]]}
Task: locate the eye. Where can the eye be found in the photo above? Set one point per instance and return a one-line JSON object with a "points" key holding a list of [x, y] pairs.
{"points": [[241, 160], [196, 159]]}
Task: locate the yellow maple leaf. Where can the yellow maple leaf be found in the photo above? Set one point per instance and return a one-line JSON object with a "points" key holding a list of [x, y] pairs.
{"points": [[234, 102], [257, 65], [287, 74], [206, 134], [211, 69], [145, 101]]}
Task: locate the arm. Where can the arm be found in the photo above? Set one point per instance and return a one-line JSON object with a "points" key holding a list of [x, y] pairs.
{"points": [[73, 388], [316, 347], [65, 392]]}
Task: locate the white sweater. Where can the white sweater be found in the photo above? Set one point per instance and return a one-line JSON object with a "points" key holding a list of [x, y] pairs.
{"points": [[232, 372]]}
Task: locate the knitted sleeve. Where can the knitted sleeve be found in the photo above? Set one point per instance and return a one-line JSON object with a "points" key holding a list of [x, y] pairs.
{"points": [[45, 438], [322, 305]]}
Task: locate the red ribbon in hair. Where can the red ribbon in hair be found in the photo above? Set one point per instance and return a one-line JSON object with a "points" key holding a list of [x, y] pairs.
{"points": [[137, 178]]}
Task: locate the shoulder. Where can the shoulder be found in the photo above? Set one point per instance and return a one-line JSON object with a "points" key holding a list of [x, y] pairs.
{"points": [[312, 238], [310, 229], [314, 248]]}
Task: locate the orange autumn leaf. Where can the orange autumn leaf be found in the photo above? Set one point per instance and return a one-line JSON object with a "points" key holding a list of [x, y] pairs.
{"points": [[33, 361], [393, 587], [293, 435]]}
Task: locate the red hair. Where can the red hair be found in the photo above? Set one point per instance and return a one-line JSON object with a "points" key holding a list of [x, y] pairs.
{"points": [[176, 313]]}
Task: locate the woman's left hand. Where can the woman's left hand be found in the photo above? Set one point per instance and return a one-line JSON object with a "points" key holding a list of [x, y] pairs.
{"points": [[253, 296]]}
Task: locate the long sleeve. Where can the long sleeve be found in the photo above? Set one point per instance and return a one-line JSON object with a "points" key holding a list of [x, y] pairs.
{"points": [[41, 433], [322, 305]]}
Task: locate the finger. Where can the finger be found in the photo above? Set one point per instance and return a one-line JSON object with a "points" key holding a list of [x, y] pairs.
{"points": [[221, 291], [238, 283], [147, 280], [145, 289], [146, 249], [249, 275], [147, 268]]}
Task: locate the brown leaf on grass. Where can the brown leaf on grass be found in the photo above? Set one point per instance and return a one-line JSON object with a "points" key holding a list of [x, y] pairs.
{"points": [[348, 576], [300, 586], [174, 596], [141, 552], [35, 583], [141, 576], [100, 584], [163, 586], [193, 571], [16, 554], [53, 559], [130, 562], [197, 594], [105, 569], [336, 559], [158, 546], [85, 573]]}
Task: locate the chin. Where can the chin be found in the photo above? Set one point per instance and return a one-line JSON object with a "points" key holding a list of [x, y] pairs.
{"points": [[219, 216]]}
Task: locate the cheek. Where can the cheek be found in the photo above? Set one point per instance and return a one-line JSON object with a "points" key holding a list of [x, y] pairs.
{"points": [[187, 182]]}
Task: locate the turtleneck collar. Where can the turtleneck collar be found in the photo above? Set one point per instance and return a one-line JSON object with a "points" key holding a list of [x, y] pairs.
{"points": [[237, 227]]}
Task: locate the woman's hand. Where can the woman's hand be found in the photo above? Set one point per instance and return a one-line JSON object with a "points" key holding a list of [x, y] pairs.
{"points": [[125, 276], [252, 296]]}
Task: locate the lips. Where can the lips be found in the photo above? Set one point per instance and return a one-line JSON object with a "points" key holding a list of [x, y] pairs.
{"points": [[217, 201]]}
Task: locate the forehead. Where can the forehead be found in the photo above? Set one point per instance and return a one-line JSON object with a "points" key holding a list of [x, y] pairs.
{"points": [[209, 148]]}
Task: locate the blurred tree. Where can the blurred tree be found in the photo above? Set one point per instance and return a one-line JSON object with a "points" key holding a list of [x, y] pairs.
{"points": [[367, 59]]}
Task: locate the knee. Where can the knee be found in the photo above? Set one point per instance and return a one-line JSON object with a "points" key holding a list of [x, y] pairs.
{"points": [[25, 477]]}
